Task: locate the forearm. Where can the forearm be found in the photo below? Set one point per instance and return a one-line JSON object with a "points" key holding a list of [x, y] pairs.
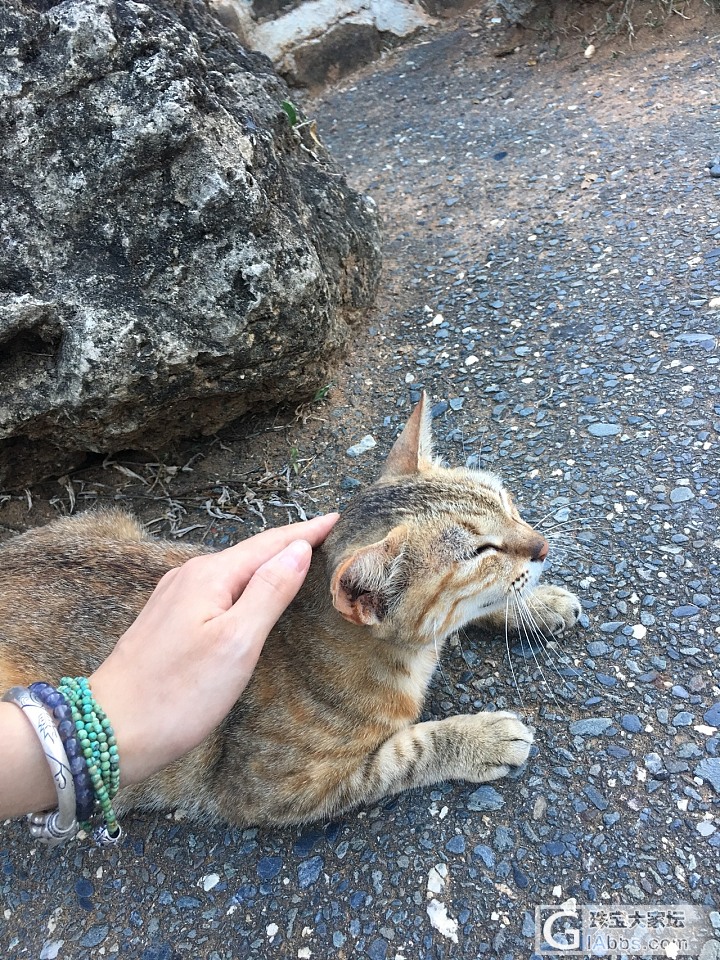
{"points": [[26, 785]]}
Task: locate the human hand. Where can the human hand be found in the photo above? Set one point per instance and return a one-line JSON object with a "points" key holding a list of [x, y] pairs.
{"points": [[175, 674]]}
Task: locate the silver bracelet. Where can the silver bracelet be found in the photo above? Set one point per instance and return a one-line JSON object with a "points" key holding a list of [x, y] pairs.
{"points": [[59, 825]]}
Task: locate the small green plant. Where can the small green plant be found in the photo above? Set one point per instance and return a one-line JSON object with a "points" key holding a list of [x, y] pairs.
{"points": [[295, 460], [322, 393], [291, 112]]}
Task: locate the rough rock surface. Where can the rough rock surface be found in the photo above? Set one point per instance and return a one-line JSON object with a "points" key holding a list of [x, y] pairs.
{"points": [[313, 40], [172, 250]]}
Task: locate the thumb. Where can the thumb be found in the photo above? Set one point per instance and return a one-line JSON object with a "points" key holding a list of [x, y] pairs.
{"points": [[271, 589]]}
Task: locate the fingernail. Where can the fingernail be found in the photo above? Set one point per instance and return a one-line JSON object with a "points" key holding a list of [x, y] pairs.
{"points": [[296, 556]]}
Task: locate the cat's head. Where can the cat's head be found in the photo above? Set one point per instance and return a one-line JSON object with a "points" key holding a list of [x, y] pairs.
{"points": [[426, 548]]}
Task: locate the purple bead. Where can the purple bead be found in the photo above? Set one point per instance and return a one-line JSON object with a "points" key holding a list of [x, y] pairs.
{"points": [[53, 699], [62, 712], [66, 729], [72, 748], [77, 765]]}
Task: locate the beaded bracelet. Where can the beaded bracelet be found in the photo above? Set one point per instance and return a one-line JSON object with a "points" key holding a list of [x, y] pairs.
{"points": [[97, 742], [59, 825], [58, 706]]}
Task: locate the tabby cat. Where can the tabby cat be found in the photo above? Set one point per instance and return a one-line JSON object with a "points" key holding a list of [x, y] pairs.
{"points": [[328, 721]]}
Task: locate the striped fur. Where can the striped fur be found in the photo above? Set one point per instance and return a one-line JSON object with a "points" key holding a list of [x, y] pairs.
{"points": [[328, 721]]}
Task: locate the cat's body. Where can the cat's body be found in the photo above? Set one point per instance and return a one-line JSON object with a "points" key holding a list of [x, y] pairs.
{"points": [[328, 721]]}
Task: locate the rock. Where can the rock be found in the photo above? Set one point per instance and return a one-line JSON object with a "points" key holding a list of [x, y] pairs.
{"points": [[175, 251], [631, 723], [591, 727], [456, 844], [485, 854], [269, 867], [687, 610], [653, 763], [683, 719], [444, 924], [681, 495], [715, 170], [516, 10], [349, 483], [308, 871], [598, 648], [485, 798], [709, 770], [596, 798], [310, 41], [712, 716], [604, 429], [357, 449], [710, 950], [705, 340]]}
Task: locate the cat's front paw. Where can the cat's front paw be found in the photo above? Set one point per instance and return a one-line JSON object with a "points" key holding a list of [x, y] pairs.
{"points": [[499, 742], [553, 609]]}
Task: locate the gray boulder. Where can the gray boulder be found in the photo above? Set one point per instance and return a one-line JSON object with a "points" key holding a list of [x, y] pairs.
{"points": [[173, 249]]}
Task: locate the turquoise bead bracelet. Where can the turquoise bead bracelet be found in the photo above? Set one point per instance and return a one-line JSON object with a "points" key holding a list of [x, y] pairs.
{"points": [[97, 742]]}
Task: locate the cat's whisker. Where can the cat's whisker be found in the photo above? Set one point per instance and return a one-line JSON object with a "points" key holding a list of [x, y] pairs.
{"points": [[543, 639], [437, 657], [537, 606], [526, 620], [460, 633], [510, 660], [579, 525], [550, 513]]}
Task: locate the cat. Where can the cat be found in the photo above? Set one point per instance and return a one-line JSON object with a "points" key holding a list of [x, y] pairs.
{"points": [[328, 720]]}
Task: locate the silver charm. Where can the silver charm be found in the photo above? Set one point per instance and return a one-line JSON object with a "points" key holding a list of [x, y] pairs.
{"points": [[103, 838], [50, 829]]}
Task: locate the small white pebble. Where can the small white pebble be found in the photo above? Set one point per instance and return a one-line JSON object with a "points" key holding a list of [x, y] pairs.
{"points": [[209, 881], [471, 361], [589, 51], [639, 631], [357, 449], [271, 930], [439, 919]]}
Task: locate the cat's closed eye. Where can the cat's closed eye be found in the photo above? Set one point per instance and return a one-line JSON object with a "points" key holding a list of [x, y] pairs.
{"points": [[482, 548]]}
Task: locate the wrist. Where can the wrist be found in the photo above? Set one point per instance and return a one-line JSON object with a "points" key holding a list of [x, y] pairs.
{"points": [[32, 788]]}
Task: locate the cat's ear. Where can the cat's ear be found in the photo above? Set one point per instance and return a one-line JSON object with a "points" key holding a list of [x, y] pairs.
{"points": [[412, 451], [366, 582]]}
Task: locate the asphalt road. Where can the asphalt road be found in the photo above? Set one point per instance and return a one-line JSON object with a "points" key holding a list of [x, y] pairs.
{"points": [[553, 253]]}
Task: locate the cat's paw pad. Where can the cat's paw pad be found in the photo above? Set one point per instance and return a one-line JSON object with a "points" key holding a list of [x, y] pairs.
{"points": [[501, 742], [554, 609]]}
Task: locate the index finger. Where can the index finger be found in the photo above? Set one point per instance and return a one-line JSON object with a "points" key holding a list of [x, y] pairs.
{"points": [[240, 561]]}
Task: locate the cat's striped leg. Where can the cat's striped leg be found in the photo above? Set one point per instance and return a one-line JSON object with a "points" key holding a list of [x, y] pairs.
{"points": [[547, 609], [479, 747]]}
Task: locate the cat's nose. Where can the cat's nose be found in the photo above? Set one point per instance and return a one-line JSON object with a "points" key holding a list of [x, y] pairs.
{"points": [[540, 549]]}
